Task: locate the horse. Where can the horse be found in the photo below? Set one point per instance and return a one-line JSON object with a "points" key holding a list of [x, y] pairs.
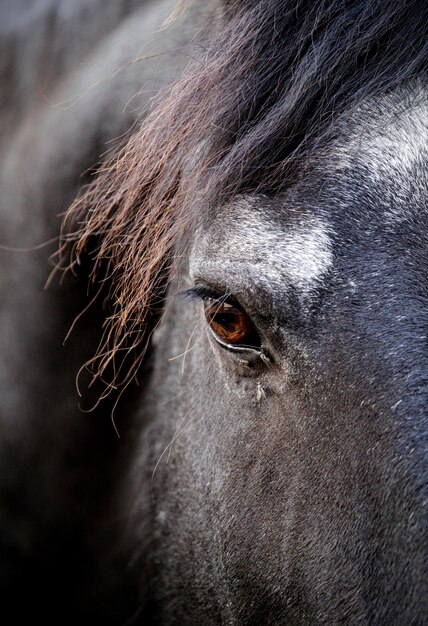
{"points": [[215, 413]]}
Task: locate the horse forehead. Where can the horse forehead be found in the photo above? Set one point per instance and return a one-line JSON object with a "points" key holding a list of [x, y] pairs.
{"points": [[383, 151], [248, 238], [389, 133], [388, 148]]}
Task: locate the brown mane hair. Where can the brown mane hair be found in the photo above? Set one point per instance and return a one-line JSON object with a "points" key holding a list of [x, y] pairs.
{"points": [[267, 91]]}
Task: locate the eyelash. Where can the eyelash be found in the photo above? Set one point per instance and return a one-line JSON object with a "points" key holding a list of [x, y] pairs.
{"points": [[205, 293]]}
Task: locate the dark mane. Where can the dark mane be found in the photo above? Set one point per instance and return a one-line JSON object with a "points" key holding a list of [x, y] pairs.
{"points": [[266, 93]]}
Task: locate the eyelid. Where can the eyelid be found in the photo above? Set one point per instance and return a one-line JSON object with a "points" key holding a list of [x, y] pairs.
{"points": [[203, 293], [234, 347]]}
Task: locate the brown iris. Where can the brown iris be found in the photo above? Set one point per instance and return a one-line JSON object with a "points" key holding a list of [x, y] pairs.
{"points": [[229, 323]]}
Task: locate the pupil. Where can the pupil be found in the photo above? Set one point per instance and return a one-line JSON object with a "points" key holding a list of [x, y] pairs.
{"points": [[225, 319]]}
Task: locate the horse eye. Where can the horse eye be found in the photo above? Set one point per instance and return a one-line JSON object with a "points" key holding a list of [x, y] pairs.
{"points": [[230, 324]]}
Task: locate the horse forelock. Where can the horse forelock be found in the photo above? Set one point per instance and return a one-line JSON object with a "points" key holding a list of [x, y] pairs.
{"points": [[266, 95]]}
